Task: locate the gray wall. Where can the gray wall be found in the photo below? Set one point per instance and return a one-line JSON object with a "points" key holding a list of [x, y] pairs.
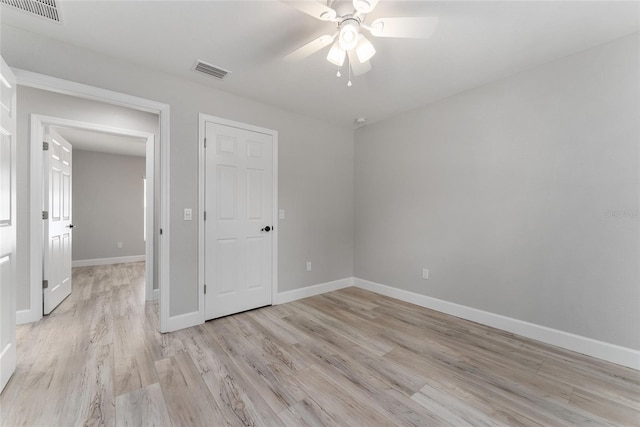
{"points": [[521, 197], [511, 194], [35, 101], [108, 205], [315, 163]]}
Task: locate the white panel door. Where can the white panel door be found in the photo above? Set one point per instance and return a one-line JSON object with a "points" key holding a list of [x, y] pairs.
{"points": [[58, 227], [7, 224], [239, 219]]}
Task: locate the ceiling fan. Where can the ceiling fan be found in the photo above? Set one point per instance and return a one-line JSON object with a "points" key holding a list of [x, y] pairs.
{"points": [[349, 40]]}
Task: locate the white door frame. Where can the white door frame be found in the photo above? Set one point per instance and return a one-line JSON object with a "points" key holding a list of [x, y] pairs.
{"points": [[202, 119], [66, 87], [38, 124]]}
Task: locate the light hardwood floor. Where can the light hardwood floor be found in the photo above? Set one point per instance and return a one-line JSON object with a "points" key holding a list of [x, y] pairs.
{"points": [[349, 358]]}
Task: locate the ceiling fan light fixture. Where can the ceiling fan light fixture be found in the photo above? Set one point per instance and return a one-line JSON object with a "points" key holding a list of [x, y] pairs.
{"points": [[348, 37], [364, 49], [364, 6], [336, 54], [349, 40]]}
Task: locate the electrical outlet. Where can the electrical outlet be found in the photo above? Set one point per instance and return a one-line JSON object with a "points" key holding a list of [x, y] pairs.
{"points": [[119, 245], [188, 214], [425, 273], [308, 265]]}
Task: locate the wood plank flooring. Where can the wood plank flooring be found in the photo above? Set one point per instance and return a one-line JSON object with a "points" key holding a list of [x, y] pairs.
{"points": [[348, 358]]}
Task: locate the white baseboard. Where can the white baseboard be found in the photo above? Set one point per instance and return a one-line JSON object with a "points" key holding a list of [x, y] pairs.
{"points": [[312, 290], [610, 352], [107, 261], [27, 316]]}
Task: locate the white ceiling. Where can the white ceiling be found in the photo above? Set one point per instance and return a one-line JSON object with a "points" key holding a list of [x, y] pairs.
{"points": [[476, 42], [103, 142]]}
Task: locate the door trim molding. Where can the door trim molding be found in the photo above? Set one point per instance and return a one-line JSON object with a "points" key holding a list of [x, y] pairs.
{"points": [[202, 120], [66, 87]]}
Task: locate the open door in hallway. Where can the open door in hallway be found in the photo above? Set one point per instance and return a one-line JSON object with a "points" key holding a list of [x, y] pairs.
{"points": [[58, 228], [7, 224]]}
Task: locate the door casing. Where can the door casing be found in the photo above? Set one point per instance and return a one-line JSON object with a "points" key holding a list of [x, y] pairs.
{"points": [[40, 81], [202, 120]]}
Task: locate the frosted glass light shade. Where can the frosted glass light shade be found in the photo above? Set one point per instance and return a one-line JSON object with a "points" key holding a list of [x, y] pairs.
{"points": [[336, 54], [364, 50]]}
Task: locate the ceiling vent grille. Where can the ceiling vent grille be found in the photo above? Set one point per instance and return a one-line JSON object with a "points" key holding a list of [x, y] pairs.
{"points": [[212, 70], [45, 8]]}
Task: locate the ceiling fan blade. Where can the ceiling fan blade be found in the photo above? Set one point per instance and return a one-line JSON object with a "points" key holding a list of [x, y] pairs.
{"points": [[358, 67], [410, 28], [364, 6], [309, 48], [313, 8]]}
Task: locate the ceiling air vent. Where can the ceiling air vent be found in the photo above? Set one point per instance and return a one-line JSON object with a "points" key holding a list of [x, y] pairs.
{"points": [[212, 70], [45, 8]]}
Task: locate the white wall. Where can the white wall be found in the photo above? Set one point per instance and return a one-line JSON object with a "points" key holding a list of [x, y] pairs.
{"points": [[521, 197], [108, 205], [315, 163], [35, 101]]}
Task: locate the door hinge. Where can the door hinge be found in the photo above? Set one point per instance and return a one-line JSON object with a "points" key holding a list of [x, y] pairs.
{"points": [[45, 284], [45, 146], [161, 231], [205, 289], [205, 215], [45, 215], [205, 143]]}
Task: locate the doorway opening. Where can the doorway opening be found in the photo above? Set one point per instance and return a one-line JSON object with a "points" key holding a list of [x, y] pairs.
{"points": [[119, 147], [157, 229]]}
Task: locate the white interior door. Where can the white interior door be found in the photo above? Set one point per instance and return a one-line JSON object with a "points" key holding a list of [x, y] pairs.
{"points": [[7, 224], [58, 226], [239, 219]]}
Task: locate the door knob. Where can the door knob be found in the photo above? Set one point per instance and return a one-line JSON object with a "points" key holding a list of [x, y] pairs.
{"points": [[267, 229], [70, 225]]}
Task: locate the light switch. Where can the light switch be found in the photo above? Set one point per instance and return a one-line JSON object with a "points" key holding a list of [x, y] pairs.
{"points": [[281, 214], [188, 215]]}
